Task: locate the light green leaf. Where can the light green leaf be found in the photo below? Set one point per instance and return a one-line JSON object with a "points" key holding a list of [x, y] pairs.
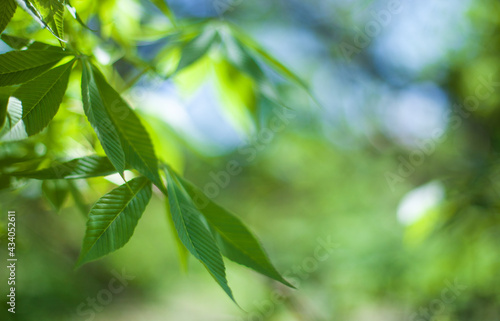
{"points": [[194, 234], [85, 167], [17, 67], [40, 99], [135, 140], [96, 108], [235, 241], [7, 9], [112, 220]]}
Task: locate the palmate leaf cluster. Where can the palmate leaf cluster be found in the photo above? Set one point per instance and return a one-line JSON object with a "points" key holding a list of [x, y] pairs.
{"points": [[34, 80]]}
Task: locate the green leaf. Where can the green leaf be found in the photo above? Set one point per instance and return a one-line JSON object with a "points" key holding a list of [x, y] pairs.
{"points": [[17, 67], [196, 48], [194, 234], [273, 62], [96, 109], [7, 9], [135, 140], [40, 99], [241, 58], [85, 167], [55, 192], [112, 220], [236, 242]]}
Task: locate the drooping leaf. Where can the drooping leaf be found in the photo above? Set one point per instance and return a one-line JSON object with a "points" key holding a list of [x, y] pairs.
{"points": [[96, 109], [236, 242], [196, 48], [75, 15], [40, 99], [135, 140], [55, 192], [194, 234], [84, 167], [112, 220], [7, 9], [17, 67]]}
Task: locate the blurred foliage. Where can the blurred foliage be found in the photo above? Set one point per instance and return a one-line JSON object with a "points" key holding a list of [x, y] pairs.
{"points": [[413, 214]]}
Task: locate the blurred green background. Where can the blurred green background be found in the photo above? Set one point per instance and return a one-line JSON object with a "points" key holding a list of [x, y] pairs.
{"points": [[379, 200]]}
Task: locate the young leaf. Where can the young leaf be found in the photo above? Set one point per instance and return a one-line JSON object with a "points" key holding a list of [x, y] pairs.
{"points": [[7, 9], [17, 67], [96, 109], [137, 146], [194, 234], [85, 167], [40, 99], [112, 220], [236, 242]]}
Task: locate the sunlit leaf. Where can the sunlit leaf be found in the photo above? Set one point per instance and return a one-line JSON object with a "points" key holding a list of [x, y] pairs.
{"points": [[17, 67], [112, 220], [40, 99]]}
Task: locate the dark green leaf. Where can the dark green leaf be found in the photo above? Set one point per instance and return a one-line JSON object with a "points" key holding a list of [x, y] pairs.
{"points": [[7, 9], [97, 111], [236, 242], [194, 234], [40, 99], [17, 67], [85, 167], [112, 220]]}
